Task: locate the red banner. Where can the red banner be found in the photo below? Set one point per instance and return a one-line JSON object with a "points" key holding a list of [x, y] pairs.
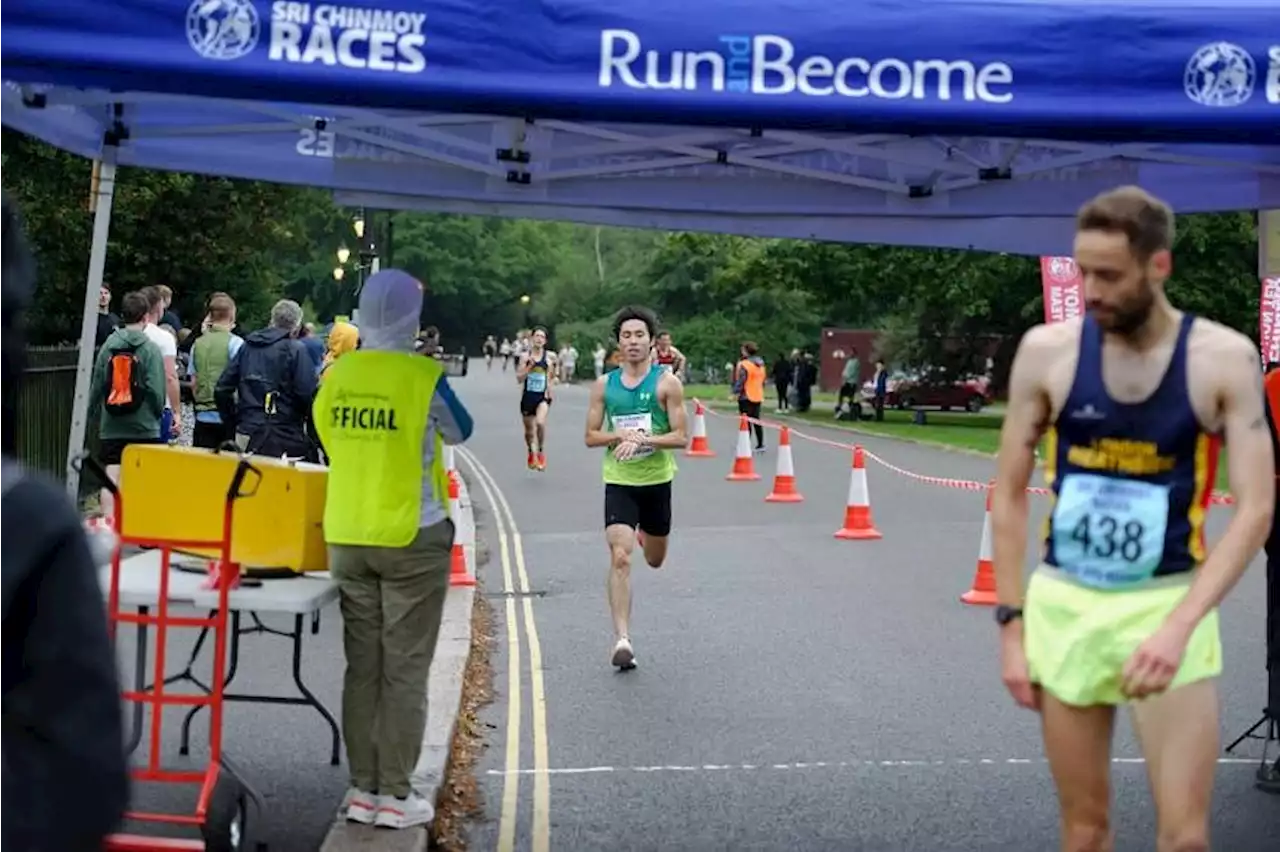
{"points": [[1063, 289], [1269, 320]]}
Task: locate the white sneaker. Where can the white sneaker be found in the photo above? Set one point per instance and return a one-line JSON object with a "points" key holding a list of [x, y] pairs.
{"points": [[359, 806], [623, 657], [403, 813]]}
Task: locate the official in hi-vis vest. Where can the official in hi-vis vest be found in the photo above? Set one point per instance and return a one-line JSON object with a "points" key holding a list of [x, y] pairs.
{"points": [[383, 415]]}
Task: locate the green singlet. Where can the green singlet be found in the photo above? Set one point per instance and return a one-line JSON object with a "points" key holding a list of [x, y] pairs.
{"points": [[637, 408]]}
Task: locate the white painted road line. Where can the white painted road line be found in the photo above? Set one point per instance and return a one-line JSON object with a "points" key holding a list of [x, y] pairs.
{"points": [[840, 764]]}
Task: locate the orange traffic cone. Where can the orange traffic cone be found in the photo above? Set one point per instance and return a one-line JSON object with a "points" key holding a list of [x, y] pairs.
{"points": [[784, 481], [983, 592], [744, 469], [857, 512], [698, 447], [458, 575]]}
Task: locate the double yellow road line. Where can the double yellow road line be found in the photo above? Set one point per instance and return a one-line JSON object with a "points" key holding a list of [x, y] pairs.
{"points": [[511, 550]]}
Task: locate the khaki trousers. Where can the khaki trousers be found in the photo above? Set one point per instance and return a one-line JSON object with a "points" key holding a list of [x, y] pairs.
{"points": [[392, 599]]}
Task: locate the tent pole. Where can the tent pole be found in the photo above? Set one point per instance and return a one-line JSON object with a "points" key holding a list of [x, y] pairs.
{"points": [[106, 190]]}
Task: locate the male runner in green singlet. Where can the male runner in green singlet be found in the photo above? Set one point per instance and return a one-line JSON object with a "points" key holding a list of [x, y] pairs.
{"points": [[637, 413], [1132, 401]]}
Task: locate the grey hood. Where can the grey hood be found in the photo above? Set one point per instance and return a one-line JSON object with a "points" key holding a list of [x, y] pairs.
{"points": [[390, 311]]}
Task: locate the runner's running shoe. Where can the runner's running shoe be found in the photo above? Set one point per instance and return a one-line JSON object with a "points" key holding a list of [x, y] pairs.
{"points": [[623, 657]]}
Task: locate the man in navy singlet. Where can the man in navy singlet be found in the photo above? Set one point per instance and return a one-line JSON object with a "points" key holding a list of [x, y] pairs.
{"points": [[536, 374], [1132, 401]]}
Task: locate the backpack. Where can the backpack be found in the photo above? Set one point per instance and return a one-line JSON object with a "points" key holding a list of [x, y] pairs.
{"points": [[126, 388]]}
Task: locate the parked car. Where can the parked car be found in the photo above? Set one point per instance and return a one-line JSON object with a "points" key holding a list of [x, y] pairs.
{"points": [[932, 389]]}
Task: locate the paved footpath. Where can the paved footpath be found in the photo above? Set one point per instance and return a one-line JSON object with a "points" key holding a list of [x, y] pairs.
{"points": [[794, 691]]}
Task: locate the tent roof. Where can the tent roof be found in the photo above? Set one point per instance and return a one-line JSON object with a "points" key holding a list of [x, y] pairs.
{"points": [[856, 121]]}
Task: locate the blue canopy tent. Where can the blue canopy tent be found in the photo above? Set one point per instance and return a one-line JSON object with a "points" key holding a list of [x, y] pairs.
{"points": [[966, 123]]}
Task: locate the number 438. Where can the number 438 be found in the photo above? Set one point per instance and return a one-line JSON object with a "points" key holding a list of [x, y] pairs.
{"points": [[1103, 536]]}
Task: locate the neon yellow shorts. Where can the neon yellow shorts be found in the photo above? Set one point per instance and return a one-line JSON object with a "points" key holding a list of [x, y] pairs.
{"points": [[1078, 639]]}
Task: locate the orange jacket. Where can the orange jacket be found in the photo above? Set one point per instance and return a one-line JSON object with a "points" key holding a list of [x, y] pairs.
{"points": [[751, 374]]}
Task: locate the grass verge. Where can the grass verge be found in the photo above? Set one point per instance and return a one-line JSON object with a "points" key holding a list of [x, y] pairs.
{"points": [[976, 432], [460, 801], [720, 394]]}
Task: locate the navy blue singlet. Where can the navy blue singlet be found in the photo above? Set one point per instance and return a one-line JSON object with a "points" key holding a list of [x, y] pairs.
{"points": [[1131, 483]]}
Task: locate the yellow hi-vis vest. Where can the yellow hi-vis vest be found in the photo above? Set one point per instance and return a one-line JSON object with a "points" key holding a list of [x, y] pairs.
{"points": [[371, 414]]}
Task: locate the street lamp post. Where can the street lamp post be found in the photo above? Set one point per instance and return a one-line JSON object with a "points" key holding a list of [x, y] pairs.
{"points": [[358, 225]]}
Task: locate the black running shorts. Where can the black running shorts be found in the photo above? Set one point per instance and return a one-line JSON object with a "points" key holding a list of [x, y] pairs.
{"points": [[645, 506], [111, 450], [529, 403]]}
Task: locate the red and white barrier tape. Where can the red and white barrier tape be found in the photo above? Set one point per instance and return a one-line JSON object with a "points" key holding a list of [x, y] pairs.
{"points": [[1219, 498], [944, 481]]}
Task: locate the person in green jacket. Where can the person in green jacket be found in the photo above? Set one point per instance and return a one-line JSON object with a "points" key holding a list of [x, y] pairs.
{"points": [[210, 355], [128, 388]]}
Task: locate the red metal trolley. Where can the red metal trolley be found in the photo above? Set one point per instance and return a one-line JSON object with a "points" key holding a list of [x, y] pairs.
{"points": [[221, 812]]}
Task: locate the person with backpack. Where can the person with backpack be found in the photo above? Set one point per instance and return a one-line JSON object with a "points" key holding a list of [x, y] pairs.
{"points": [[129, 387], [266, 390], [65, 780]]}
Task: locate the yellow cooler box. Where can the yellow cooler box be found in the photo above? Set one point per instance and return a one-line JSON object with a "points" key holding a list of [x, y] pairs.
{"points": [[179, 493]]}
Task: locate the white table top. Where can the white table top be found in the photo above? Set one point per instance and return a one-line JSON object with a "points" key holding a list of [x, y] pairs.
{"points": [[140, 586]]}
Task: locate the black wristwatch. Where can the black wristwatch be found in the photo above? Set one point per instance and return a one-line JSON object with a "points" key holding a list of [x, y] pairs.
{"points": [[1005, 614]]}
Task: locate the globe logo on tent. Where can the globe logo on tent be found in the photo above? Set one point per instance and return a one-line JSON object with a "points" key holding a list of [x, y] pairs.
{"points": [[1221, 74], [1063, 269], [223, 29]]}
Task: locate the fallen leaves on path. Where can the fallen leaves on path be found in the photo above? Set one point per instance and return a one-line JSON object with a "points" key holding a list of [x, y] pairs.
{"points": [[460, 800]]}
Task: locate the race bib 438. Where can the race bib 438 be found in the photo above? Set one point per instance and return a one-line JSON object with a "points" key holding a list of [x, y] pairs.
{"points": [[1109, 532]]}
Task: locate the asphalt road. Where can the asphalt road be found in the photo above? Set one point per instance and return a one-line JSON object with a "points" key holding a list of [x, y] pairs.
{"points": [[794, 691]]}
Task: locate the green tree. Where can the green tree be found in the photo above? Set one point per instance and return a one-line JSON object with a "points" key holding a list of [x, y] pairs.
{"points": [[197, 234], [259, 241]]}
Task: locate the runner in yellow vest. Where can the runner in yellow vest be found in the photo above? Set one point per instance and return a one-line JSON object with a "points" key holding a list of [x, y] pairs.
{"points": [[383, 415]]}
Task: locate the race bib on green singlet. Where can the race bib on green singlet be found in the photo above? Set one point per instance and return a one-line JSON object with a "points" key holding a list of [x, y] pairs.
{"points": [[536, 382], [640, 423], [1108, 532]]}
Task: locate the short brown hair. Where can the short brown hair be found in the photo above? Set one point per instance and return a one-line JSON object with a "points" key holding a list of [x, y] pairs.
{"points": [[221, 307], [153, 296], [166, 292], [134, 308], [1130, 210], [751, 347]]}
